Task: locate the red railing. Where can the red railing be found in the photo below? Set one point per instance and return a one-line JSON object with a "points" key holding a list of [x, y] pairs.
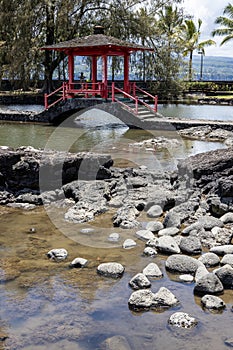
{"points": [[135, 88], [88, 89], [125, 94], [63, 97]]}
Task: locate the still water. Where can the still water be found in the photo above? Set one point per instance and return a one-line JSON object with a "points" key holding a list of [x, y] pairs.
{"points": [[207, 112], [46, 305]]}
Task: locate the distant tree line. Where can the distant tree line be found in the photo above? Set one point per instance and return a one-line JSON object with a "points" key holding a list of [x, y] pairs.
{"points": [[26, 26]]}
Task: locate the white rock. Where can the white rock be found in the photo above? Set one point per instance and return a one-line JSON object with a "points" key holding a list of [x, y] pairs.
{"points": [[186, 278], [150, 251], [212, 302], [167, 244], [114, 237], [129, 243], [165, 298], [145, 235], [139, 281], [79, 262], [182, 320], [152, 270], [57, 254], [111, 269], [169, 231]]}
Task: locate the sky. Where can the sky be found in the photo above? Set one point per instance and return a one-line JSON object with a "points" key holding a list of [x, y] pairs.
{"points": [[208, 11]]}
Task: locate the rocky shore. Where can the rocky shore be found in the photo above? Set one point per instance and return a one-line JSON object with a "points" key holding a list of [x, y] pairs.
{"points": [[189, 216]]}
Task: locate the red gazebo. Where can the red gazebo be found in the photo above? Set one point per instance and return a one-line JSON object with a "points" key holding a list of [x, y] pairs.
{"points": [[94, 46]]}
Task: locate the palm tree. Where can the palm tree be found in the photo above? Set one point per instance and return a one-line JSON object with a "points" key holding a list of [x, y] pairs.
{"points": [[191, 42], [227, 23]]}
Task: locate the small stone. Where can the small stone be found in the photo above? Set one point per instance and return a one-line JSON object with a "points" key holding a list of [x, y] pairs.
{"points": [[186, 278], [145, 235], [229, 342], [57, 254], [152, 270], [190, 245], [152, 243], [209, 259], [111, 269], [139, 281], [182, 320], [227, 218], [114, 237], [155, 211], [222, 249], [154, 226], [150, 251], [79, 262], [117, 342], [227, 259], [129, 243], [212, 302], [169, 231]]}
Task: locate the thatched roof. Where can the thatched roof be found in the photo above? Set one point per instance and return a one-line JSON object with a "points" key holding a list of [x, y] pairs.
{"points": [[96, 43]]}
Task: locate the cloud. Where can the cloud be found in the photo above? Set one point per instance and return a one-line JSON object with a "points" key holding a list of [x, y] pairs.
{"points": [[208, 11]]}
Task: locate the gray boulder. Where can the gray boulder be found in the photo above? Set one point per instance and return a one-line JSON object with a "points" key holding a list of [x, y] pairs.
{"points": [[155, 211], [152, 270], [182, 320], [208, 284], [225, 274], [212, 302], [209, 259], [200, 272], [227, 259], [139, 281], [165, 298], [111, 269], [190, 245], [182, 264], [169, 231], [222, 249], [167, 245], [227, 218], [145, 235], [154, 226], [141, 299]]}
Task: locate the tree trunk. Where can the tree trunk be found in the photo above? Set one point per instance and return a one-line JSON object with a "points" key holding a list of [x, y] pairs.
{"points": [[190, 65], [50, 34]]}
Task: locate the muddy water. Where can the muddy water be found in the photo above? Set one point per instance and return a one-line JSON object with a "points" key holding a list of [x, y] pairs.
{"points": [[48, 305]]}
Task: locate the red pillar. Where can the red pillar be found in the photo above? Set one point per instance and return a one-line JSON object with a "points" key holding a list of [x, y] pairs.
{"points": [[105, 76], [71, 68], [94, 71], [126, 72]]}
